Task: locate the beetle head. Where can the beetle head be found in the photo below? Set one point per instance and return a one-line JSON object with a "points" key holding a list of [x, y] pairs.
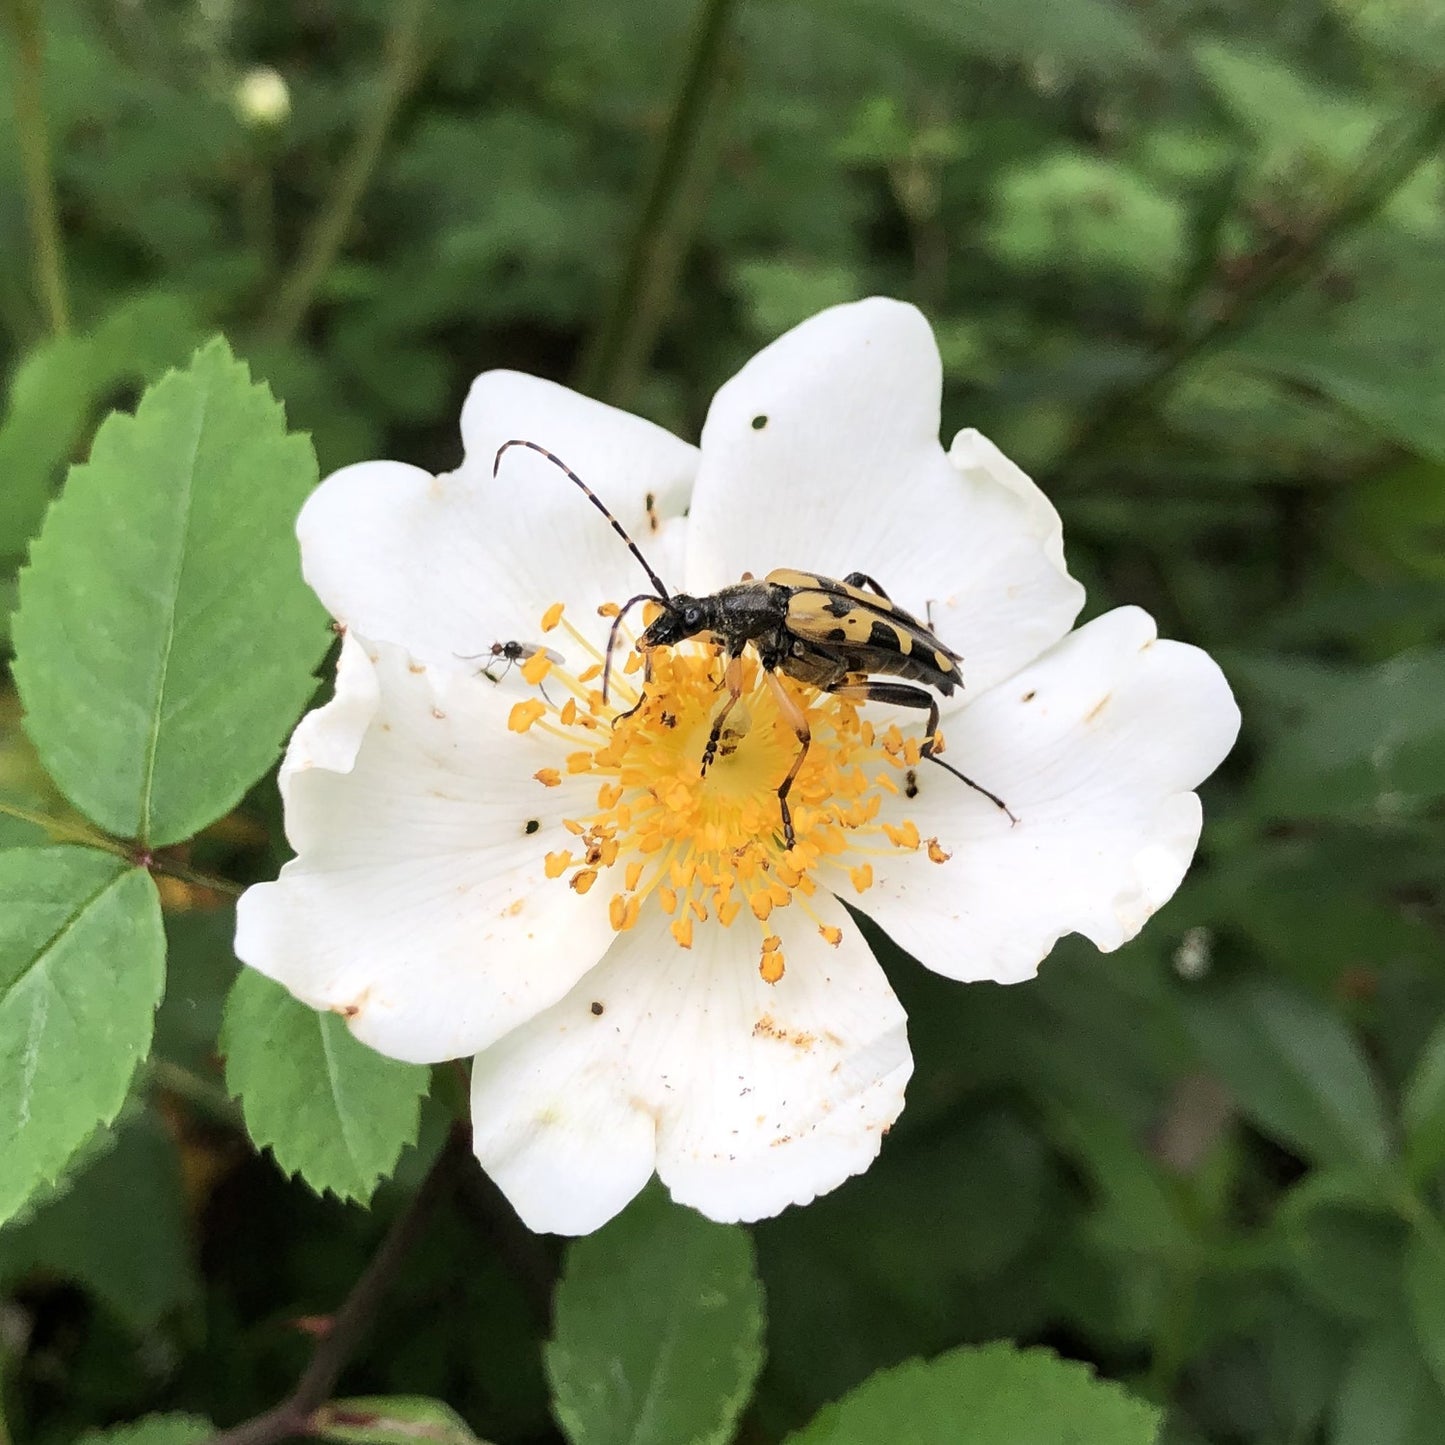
{"points": [[682, 616]]}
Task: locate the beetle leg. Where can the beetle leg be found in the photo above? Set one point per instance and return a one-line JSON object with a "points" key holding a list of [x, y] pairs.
{"points": [[733, 681], [900, 694], [797, 719], [862, 579]]}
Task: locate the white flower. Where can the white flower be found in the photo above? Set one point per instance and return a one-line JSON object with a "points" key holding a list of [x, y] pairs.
{"points": [[648, 980]]}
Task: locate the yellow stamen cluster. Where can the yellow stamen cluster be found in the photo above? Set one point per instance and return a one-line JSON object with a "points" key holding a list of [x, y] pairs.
{"points": [[710, 847]]}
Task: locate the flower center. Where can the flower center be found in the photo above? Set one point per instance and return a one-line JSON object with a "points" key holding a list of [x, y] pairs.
{"points": [[707, 845]]}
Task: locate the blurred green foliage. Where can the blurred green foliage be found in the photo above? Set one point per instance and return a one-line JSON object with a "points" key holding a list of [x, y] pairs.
{"points": [[1184, 261]]}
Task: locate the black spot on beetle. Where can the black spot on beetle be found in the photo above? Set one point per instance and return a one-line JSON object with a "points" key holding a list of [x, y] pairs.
{"points": [[596, 1009], [837, 607], [887, 638], [837, 634], [759, 422], [532, 826]]}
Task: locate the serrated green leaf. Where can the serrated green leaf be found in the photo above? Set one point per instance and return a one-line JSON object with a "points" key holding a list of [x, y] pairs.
{"points": [[391, 1420], [132, 1191], [330, 1109], [1388, 1396], [153, 1430], [659, 1330], [82, 966], [984, 1395], [1425, 1290], [165, 640], [1295, 1068]]}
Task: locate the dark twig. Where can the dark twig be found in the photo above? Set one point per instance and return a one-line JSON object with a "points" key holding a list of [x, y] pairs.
{"points": [[618, 349], [39, 179], [351, 1322], [401, 62], [1389, 163]]}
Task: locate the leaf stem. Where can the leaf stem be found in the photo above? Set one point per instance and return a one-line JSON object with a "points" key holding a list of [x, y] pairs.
{"points": [[34, 143], [351, 1322], [1394, 154], [63, 828], [400, 63], [618, 349], [210, 1098], [191, 875]]}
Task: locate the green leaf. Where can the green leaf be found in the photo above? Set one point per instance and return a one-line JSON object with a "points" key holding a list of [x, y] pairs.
{"points": [[984, 1395], [330, 1109], [58, 389], [82, 966], [131, 1191], [1422, 1111], [1295, 1068], [1089, 36], [1425, 1290], [1377, 744], [391, 1420], [153, 1430], [1388, 1396], [1346, 1243], [165, 640], [659, 1330]]}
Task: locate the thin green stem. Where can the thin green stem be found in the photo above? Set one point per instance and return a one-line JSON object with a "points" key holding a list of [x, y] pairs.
{"points": [[1392, 158], [163, 865], [400, 64], [63, 828], [40, 204], [618, 349], [208, 1097]]}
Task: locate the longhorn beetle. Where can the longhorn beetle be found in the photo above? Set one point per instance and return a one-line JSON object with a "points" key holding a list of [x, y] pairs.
{"points": [[824, 633]]}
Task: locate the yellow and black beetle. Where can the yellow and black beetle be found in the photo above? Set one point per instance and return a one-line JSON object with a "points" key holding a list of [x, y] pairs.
{"points": [[824, 633]]}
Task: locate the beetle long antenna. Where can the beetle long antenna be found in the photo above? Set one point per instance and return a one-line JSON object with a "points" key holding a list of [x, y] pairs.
{"points": [[591, 497], [613, 631]]}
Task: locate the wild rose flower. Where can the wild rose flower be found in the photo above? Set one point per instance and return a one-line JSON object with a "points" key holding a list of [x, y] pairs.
{"points": [[498, 864]]}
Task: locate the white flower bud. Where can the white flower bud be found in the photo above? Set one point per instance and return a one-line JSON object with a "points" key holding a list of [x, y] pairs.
{"points": [[262, 97]]}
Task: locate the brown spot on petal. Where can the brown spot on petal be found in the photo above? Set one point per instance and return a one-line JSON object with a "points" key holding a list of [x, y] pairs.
{"points": [[1097, 708], [1030, 695], [417, 667], [349, 1011], [768, 1027]]}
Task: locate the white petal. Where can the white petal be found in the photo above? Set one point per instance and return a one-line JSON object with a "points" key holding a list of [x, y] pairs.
{"points": [[445, 566], [330, 737], [418, 907], [847, 474], [746, 1096], [1096, 748]]}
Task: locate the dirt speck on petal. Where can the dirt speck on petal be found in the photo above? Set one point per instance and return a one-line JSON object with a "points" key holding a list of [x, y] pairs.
{"points": [[768, 1027]]}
